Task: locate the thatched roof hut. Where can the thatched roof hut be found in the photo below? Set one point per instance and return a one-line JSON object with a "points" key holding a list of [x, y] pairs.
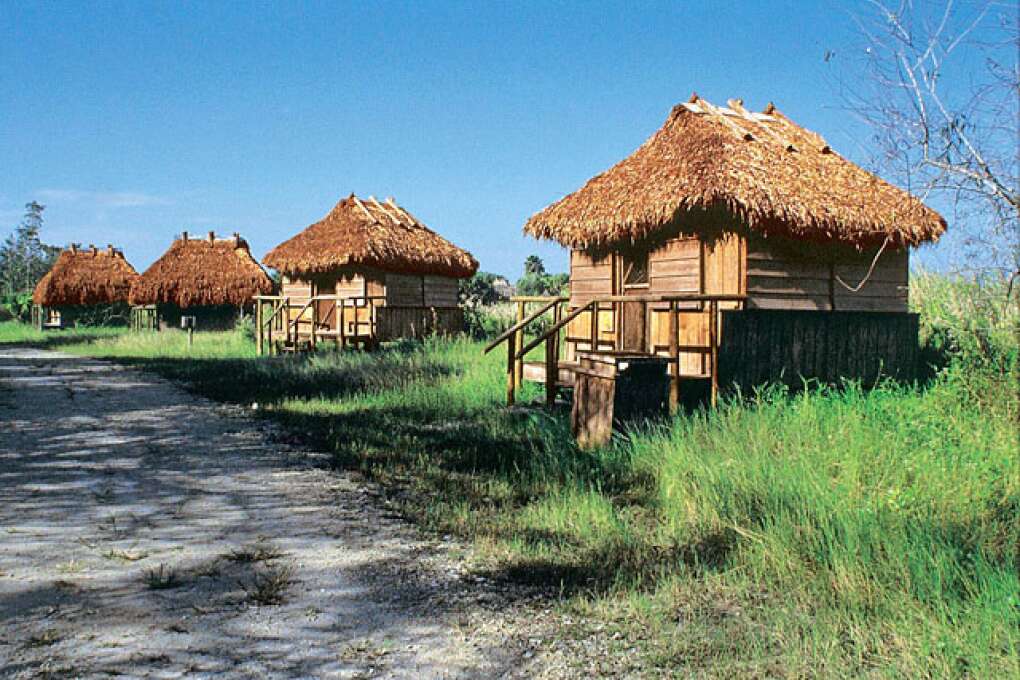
{"points": [[86, 277], [370, 233], [773, 176], [202, 272]]}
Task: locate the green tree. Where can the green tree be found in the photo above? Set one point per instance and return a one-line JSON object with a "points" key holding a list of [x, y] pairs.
{"points": [[24, 258], [478, 290], [534, 265]]}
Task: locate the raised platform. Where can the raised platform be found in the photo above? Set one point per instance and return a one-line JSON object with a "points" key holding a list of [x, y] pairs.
{"points": [[534, 371]]}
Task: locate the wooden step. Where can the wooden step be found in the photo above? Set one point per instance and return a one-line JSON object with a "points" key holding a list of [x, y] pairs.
{"points": [[534, 371]]}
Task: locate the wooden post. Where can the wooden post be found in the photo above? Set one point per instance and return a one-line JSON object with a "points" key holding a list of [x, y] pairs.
{"points": [[594, 326], [336, 320], [286, 321], [258, 327], [713, 331], [315, 322], [557, 317], [551, 370], [511, 371], [343, 329], [519, 345], [191, 337], [674, 357]]}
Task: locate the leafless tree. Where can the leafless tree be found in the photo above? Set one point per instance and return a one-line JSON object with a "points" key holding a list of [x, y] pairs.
{"points": [[939, 84]]}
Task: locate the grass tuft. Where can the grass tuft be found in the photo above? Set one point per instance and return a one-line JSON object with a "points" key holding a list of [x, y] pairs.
{"points": [[162, 577], [268, 586]]}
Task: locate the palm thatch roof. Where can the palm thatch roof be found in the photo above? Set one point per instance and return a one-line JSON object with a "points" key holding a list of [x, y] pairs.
{"points": [[759, 170], [201, 272], [373, 234], [86, 277]]}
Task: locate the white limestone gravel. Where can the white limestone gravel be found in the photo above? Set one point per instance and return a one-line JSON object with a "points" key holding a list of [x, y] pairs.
{"points": [[109, 474]]}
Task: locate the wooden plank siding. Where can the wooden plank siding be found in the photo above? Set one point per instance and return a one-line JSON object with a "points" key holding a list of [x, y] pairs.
{"points": [[440, 291], [783, 277], [589, 278], [403, 290], [675, 267], [417, 322], [759, 346]]}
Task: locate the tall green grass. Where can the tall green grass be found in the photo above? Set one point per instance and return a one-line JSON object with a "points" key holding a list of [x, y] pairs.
{"points": [[835, 532], [16, 332]]}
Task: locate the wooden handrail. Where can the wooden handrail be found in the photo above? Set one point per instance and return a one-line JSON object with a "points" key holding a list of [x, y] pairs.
{"points": [[538, 298], [293, 324], [509, 333], [683, 297], [627, 298], [555, 328], [286, 301]]}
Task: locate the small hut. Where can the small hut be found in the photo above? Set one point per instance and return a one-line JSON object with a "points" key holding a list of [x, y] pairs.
{"points": [[368, 272], [211, 279], [88, 286], [744, 246]]}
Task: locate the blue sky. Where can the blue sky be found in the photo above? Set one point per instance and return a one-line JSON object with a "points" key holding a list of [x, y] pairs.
{"points": [[133, 121]]}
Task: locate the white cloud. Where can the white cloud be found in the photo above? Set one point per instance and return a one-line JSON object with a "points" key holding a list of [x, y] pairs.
{"points": [[102, 199]]}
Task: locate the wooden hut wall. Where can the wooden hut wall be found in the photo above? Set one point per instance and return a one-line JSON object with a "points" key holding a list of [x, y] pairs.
{"points": [[349, 284], [770, 345], [404, 290], [440, 291], [886, 289], [781, 277], [299, 290], [591, 277], [675, 267], [419, 305], [691, 266], [207, 317]]}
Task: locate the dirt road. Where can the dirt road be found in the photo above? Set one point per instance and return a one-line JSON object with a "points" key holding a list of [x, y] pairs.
{"points": [[145, 532]]}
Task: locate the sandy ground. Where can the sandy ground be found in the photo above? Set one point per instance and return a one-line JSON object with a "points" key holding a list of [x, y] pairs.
{"points": [[145, 532]]}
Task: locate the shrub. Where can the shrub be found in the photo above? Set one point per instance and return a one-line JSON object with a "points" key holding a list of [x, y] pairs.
{"points": [[971, 321], [18, 305]]}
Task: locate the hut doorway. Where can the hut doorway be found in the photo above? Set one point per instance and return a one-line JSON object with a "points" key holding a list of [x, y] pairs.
{"points": [[633, 280]]}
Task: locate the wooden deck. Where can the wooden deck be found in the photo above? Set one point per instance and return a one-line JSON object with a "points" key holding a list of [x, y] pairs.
{"points": [[294, 324], [684, 329]]}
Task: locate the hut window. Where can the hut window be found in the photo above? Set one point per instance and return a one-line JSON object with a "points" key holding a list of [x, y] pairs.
{"points": [[635, 269]]}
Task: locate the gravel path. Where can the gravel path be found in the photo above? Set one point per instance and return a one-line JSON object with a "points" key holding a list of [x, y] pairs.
{"points": [[145, 532]]}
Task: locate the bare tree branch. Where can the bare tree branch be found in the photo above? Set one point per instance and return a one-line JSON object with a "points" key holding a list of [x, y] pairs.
{"points": [[939, 85]]}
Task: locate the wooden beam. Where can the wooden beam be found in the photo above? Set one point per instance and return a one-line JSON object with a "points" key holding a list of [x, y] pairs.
{"points": [[738, 106], [511, 374], [384, 211], [343, 325], [551, 370], [361, 205], [674, 358], [519, 344], [721, 117], [713, 332], [258, 327], [315, 321]]}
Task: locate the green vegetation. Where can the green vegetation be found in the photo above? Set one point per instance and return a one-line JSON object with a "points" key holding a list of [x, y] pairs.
{"points": [[835, 532], [12, 332]]}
